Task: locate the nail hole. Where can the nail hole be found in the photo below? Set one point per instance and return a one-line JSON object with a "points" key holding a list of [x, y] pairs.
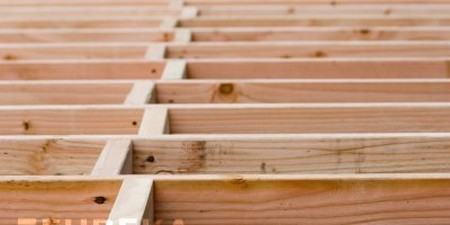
{"points": [[150, 159], [100, 200], [134, 123], [26, 125]]}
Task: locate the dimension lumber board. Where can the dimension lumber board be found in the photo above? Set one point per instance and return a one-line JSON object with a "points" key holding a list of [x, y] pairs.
{"points": [[302, 91], [225, 112]]}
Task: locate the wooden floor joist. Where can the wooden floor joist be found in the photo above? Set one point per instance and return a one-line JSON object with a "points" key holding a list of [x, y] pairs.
{"points": [[225, 112]]}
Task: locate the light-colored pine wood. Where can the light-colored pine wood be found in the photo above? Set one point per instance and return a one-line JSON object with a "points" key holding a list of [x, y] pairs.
{"points": [[174, 70], [293, 154], [302, 91], [311, 199], [134, 202], [84, 3], [318, 68], [84, 35], [168, 23], [287, 50], [176, 3], [318, 118], [155, 52], [65, 93], [182, 36], [322, 34], [82, 22], [189, 12], [375, 9], [143, 92], [71, 51], [80, 70], [155, 121], [56, 199], [314, 21], [324, 2], [32, 12], [49, 156], [87, 121], [116, 158]]}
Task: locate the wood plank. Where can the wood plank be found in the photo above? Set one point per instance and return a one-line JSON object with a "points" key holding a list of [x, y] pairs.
{"points": [[116, 158], [321, 34], [72, 51], [324, 2], [317, 68], [66, 121], [51, 200], [155, 121], [377, 9], [314, 21], [81, 70], [76, 11], [134, 203], [155, 52], [174, 70], [189, 12], [82, 22], [142, 93], [168, 23], [65, 93], [182, 36], [354, 49], [176, 3], [302, 91], [313, 200], [84, 36], [293, 154], [49, 156], [83, 3], [310, 118]]}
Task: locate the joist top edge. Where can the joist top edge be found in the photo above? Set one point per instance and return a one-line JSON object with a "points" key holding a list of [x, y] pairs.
{"points": [[331, 2], [298, 43], [228, 106], [223, 137], [316, 16], [219, 44], [310, 29], [212, 81], [248, 177], [298, 81]]}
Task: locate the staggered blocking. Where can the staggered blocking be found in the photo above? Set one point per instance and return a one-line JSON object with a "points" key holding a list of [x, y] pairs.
{"points": [[225, 112]]}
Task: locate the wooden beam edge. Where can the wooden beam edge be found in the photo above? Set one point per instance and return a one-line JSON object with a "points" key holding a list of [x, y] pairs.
{"points": [[141, 93], [134, 203], [116, 158], [155, 121]]}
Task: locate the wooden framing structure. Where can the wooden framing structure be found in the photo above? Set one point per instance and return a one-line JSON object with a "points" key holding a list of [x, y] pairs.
{"points": [[192, 112]]}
